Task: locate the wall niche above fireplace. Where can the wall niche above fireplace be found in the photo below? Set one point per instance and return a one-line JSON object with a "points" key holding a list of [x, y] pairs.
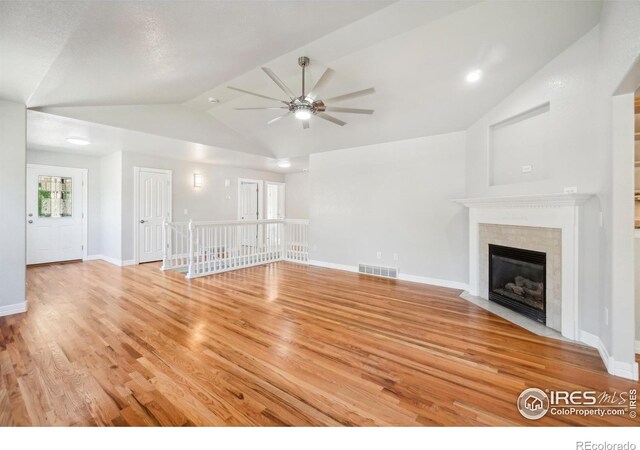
{"points": [[517, 280]]}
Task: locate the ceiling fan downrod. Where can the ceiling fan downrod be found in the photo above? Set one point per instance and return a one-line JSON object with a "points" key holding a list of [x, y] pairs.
{"points": [[303, 62]]}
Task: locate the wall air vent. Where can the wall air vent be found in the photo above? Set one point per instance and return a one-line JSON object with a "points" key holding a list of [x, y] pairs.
{"points": [[378, 271]]}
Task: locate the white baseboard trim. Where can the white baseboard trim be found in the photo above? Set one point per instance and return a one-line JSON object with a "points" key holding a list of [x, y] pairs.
{"points": [[434, 282], [402, 276], [116, 262], [16, 308], [617, 368], [329, 265]]}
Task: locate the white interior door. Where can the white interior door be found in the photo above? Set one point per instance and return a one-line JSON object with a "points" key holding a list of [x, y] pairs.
{"points": [[154, 205], [54, 214], [249, 199], [249, 209]]}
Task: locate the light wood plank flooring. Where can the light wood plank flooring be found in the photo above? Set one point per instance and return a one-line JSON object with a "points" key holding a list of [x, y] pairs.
{"points": [[282, 344]]}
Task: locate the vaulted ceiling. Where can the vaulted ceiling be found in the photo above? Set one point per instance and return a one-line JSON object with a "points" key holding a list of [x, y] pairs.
{"points": [[138, 75]]}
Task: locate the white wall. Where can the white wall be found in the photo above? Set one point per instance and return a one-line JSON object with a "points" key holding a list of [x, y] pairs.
{"points": [[207, 203], [12, 205], [619, 50], [111, 206], [297, 195], [567, 83], [92, 164], [393, 198]]}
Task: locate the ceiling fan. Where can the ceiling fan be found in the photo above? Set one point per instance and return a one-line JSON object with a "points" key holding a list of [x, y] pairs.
{"points": [[308, 104]]}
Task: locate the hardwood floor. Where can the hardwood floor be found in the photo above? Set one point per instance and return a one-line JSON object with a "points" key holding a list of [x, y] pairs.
{"points": [[282, 344]]}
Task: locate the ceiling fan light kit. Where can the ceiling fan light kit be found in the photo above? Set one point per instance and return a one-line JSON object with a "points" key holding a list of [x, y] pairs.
{"points": [[307, 104]]}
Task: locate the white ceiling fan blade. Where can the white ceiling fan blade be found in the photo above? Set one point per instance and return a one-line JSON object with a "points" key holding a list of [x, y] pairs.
{"points": [[277, 118], [350, 95], [257, 95], [279, 82], [331, 119], [305, 124], [270, 107], [320, 83], [348, 110]]}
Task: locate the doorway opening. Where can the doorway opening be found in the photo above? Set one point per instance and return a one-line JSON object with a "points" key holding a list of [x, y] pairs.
{"points": [[275, 200]]}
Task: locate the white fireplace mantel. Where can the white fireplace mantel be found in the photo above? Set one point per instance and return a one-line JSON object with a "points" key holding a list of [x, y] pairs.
{"points": [[547, 211], [526, 201]]}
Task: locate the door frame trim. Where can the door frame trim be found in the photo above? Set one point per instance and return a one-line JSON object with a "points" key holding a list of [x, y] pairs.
{"points": [[85, 200], [136, 204], [260, 196]]}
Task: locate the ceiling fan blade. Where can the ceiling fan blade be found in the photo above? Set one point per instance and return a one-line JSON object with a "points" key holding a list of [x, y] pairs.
{"points": [[350, 95], [257, 95], [320, 83], [277, 118], [305, 124], [279, 82], [331, 119], [348, 110], [270, 107]]}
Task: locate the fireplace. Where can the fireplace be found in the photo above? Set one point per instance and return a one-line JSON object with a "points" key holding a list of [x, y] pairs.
{"points": [[517, 280]]}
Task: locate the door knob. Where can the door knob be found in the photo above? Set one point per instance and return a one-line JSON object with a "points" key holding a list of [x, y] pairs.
{"points": [[30, 221], [30, 214], [142, 221]]}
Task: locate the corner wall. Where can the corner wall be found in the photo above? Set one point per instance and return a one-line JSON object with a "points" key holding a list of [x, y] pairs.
{"points": [[111, 207], [297, 195], [573, 157], [620, 65], [580, 85], [12, 204]]}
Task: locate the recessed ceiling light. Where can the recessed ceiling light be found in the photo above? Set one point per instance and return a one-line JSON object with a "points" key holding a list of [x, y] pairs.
{"points": [[78, 141], [284, 163], [474, 76], [213, 100]]}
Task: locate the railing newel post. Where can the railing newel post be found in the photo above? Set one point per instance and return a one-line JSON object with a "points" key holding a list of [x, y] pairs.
{"points": [[190, 250], [165, 256]]}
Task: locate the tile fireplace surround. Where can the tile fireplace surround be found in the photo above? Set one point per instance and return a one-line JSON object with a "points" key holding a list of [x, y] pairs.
{"points": [[547, 223], [546, 240]]}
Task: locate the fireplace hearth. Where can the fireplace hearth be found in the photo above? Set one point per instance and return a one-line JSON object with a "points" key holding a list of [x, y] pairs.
{"points": [[517, 280]]}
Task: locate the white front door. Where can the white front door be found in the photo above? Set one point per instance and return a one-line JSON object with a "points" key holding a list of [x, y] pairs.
{"points": [[154, 205], [54, 214]]}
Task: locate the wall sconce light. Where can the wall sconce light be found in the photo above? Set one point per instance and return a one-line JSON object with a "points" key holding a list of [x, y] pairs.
{"points": [[197, 180]]}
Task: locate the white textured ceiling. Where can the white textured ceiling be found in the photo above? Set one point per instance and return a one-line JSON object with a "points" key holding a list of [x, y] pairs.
{"points": [[141, 52], [150, 67]]}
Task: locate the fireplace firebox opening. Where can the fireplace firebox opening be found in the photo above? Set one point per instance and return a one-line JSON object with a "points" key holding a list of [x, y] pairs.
{"points": [[517, 280]]}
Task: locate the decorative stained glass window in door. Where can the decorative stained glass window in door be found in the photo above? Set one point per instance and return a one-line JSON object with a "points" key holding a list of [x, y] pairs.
{"points": [[54, 196]]}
